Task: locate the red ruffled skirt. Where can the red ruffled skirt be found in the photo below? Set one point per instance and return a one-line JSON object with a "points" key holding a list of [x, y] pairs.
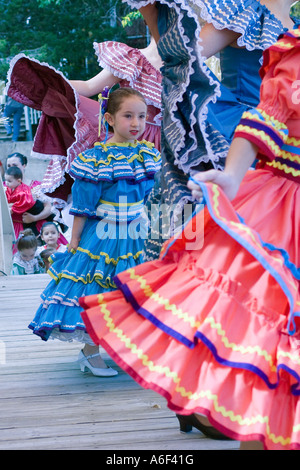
{"points": [[213, 325]]}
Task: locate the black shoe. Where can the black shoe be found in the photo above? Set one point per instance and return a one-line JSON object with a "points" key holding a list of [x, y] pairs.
{"points": [[187, 423]]}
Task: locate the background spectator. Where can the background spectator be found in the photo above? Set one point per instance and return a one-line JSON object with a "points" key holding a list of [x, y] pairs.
{"points": [[14, 110]]}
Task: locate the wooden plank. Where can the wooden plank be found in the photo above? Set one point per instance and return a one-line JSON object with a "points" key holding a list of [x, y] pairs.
{"points": [[47, 403]]}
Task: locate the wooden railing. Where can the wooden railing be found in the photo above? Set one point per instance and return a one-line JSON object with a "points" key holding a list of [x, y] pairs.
{"points": [[7, 234]]}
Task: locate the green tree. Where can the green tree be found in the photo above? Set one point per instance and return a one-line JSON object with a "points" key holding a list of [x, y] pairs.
{"points": [[62, 32]]}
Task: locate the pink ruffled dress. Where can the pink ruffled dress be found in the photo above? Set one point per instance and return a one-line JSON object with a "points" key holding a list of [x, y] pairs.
{"points": [[69, 122]]}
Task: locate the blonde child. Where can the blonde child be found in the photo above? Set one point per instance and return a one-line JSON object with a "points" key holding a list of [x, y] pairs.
{"points": [[25, 260], [112, 181]]}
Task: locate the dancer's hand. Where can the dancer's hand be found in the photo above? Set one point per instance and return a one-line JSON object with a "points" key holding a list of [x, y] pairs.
{"points": [[74, 243], [78, 225], [239, 159], [224, 179]]}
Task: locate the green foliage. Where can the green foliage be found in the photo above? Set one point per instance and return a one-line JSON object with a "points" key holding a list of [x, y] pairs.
{"points": [[295, 12], [60, 32], [43, 3], [130, 18]]}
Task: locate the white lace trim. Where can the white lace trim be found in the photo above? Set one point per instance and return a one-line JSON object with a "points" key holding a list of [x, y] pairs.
{"points": [[79, 336]]}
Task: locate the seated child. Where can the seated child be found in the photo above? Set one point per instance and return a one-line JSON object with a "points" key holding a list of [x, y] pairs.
{"points": [[45, 255], [50, 234], [25, 260]]}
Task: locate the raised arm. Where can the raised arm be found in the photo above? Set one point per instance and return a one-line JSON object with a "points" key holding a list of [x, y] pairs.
{"points": [[212, 40], [95, 85], [150, 14]]}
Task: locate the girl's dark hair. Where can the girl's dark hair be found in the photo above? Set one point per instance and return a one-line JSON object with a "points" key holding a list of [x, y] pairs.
{"points": [[46, 224], [15, 172], [20, 156], [117, 96], [45, 254], [26, 239]]}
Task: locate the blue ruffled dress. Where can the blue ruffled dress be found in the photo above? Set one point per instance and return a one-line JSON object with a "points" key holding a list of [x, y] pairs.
{"points": [[112, 182], [200, 112]]}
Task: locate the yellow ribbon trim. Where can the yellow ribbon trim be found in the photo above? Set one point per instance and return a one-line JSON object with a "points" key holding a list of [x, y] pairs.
{"points": [[121, 204], [290, 156], [242, 349], [282, 166], [134, 144], [262, 135], [87, 280], [293, 141], [285, 45], [110, 157], [108, 259], [254, 117], [167, 372], [178, 312]]}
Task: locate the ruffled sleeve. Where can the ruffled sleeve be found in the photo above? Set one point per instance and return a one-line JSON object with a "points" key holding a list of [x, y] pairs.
{"points": [[107, 164], [85, 198], [131, 65], [258, 27], [268, 125], [134, 162]]}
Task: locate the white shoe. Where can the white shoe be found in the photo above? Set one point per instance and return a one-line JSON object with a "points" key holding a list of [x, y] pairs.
{"points": [[84, 364]]}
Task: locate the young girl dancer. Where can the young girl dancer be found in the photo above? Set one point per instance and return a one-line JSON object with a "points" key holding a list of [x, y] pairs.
{"points": [[213, 325], [112, 181], [70, 125]]}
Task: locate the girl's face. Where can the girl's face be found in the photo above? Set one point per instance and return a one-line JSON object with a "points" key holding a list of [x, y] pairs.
{"points": [[50, 235], [27, 254], [129, 121], [15, 161]]}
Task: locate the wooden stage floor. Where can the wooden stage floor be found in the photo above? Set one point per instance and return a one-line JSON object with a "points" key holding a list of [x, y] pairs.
{"points": [[46, 403]]}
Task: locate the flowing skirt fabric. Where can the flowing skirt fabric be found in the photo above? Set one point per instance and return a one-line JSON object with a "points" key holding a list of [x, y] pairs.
{"points": [[213, 325]]}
